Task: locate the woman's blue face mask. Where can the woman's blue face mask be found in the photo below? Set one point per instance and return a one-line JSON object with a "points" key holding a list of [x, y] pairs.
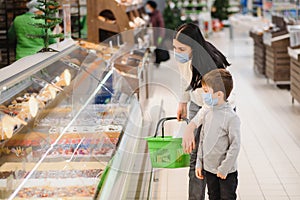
{"points": [[181, 57]]}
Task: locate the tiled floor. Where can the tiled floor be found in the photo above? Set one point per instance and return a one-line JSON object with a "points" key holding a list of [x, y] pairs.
{"points": [[269, 161]]}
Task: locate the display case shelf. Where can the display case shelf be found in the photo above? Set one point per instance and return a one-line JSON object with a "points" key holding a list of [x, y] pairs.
{"points": [[295, 79], [277, 42], [295, 73], [134, 7], [70, 128], [7, 94], [278, 61], [259, 52]]}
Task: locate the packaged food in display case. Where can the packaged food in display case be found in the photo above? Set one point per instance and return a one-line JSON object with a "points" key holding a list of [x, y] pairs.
{"points": [[55, 141]]}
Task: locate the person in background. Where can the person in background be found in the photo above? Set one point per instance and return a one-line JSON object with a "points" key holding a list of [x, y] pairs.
{"points": [[219, 144], [244, 6], [195, 57], [22, 27], [156, 20]]}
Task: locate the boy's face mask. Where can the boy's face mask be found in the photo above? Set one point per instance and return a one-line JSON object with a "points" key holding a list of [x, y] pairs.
{"points": [[209, 100]]}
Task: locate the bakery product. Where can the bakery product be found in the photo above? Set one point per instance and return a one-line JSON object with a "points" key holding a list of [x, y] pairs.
{"points": [[64, 79], [8, 125], [33, 106]]}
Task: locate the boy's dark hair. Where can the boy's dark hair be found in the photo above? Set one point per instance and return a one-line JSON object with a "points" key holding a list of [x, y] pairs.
{"points": [[153, 4], [219, 80]]}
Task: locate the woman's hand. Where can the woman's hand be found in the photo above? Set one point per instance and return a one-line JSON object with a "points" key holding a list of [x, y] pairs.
{"points": [[199, 174], [181, 111], [188, 138]]}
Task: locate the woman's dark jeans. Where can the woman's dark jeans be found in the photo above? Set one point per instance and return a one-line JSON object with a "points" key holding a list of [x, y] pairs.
{"points": [[196, 186]]}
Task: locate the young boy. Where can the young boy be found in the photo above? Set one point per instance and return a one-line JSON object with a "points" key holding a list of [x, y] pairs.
{"points": [[220, 137]]}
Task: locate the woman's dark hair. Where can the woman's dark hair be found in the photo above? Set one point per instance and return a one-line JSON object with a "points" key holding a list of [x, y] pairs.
{"points": [[153, 4], [205, 56]]}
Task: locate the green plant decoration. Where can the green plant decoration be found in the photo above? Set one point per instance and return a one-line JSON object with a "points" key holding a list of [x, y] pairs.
{"points": [[172, 15], [220, 9], [49, 9]]}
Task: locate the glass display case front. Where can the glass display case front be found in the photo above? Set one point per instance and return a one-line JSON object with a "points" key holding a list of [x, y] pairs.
{"points": [[61, 121]]}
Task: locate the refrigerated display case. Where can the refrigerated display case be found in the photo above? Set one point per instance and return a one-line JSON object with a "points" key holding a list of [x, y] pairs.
{"points": [[56, 138]]}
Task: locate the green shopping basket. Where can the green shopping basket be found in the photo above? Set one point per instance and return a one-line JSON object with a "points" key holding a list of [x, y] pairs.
{"points": [[166, 151]]}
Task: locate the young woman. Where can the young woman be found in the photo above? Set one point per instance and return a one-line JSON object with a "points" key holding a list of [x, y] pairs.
{"points": [[195, 57]]}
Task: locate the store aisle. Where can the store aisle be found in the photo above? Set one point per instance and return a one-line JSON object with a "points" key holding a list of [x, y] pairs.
{"points": [[269, 164]]}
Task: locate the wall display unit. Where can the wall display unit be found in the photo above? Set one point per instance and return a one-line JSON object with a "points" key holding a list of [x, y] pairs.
{"points": [[257, 6], [56, 138], [9, 9], [75, 18], [108, 17], [191, 9], [197, 11], [234, 6], [288, 9], [78, 18], [4, 46]]}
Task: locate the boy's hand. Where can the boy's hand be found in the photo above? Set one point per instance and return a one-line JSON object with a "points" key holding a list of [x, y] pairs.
{"points": [[221, 176], [181, 111], [188, 138], [199, 173]]}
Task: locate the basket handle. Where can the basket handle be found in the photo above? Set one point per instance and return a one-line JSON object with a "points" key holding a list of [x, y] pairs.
{"points": [[162, 121]]}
